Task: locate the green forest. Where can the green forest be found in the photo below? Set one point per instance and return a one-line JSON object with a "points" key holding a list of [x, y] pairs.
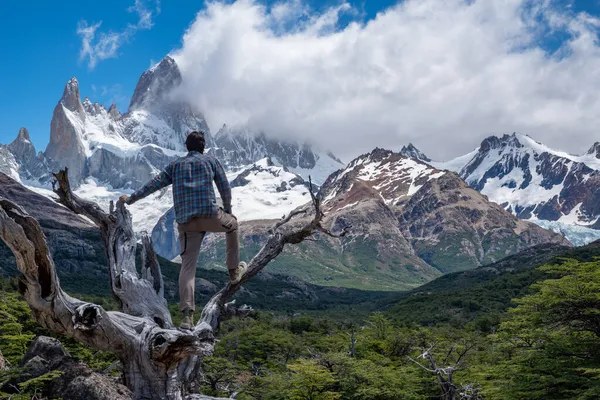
{"points": [[524, 328]]}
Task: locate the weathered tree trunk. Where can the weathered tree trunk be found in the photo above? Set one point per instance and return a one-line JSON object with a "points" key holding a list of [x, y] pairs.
{"points": [[159, 361], [445, 374]]}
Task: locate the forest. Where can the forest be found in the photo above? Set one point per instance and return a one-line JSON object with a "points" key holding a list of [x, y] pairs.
{"points": [[524, 332]]}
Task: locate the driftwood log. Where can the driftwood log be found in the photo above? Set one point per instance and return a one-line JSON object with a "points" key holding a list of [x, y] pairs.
{"points": [[159, 361]]}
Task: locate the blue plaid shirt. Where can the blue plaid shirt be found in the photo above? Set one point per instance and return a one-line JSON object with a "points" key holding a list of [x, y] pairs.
{"points": [[193, 194]]}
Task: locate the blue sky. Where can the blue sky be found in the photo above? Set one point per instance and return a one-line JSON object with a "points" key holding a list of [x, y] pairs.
{"points": [[41, 39], [41, 46]]}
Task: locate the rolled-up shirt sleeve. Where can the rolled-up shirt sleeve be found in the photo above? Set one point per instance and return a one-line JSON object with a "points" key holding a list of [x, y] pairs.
{"points": [[165, 178]]}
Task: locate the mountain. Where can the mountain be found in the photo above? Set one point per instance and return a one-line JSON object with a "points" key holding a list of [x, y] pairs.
{"points": [[109, 153], [533, 181], [408, 223], [411, 151], [240, 147], [124, 151], [482, 295]]}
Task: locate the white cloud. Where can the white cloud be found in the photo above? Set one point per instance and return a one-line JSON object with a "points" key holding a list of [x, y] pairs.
{"points": [[441, 74], [104, 45]]}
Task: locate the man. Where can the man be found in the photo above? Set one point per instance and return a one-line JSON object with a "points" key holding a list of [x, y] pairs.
{"points": [[197, 212]]}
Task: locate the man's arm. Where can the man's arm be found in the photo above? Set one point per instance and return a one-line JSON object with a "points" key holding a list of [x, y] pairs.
{"points": [[158, 182], [223, 186]]}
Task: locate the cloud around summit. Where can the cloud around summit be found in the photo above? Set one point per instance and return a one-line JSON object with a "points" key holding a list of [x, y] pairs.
{"points": [[440, 74]]}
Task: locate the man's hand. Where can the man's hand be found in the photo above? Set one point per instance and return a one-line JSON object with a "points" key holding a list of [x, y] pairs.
{"points": [[124, 198]]}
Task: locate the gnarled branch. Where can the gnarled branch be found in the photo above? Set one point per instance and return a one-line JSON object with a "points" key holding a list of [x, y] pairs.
{"points": [[120, 247]]}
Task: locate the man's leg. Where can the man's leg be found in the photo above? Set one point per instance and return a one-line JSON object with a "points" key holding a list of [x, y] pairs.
{"points": [[190, 249], [232, 239], [223, 222]]}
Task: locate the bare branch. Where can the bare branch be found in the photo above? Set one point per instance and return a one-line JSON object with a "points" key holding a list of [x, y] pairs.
{"points": [[120, 248], [284, 220], [422, 366]]}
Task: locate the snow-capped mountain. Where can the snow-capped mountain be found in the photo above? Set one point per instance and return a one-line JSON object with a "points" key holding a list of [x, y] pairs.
{"points": [[407, 223], [239, 147], [551, 188], [261, 191], [436, 212], [109, 153], [535, 182]]}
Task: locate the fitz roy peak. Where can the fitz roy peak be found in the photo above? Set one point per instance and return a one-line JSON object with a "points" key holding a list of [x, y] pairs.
{"points": [[109, 153]]}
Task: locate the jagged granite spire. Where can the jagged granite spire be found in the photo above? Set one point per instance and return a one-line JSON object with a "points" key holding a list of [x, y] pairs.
{"points": [[411, 151], [155, 84], [71, 98], [22, 148], [154, 94], [66, 148], [113, 112]]}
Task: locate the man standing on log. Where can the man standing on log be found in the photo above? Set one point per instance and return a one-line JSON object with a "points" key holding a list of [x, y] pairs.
{"points": [[197, 212]]}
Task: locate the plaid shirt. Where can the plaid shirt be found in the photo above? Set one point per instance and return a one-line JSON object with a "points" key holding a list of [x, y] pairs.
{"points": [[193, 194]]}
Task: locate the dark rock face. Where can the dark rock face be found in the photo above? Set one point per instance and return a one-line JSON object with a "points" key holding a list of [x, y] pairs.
{"points": [[155, 84], [22, 148], [411, 151], [127, 172], [239, 148], [75, 244], [155, 93], [595, 150], [454, 227], [76, 380], [165, 237]]}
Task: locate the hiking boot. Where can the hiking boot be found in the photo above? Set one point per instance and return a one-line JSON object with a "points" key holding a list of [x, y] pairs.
{"points": [[187, 322], [235, 275]]}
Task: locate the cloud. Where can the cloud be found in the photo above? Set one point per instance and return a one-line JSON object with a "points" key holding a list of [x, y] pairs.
{"points": [[98, 46], [440, 74]]}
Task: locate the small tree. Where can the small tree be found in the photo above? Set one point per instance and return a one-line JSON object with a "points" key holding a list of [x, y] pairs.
{"points": [[159, 361]]}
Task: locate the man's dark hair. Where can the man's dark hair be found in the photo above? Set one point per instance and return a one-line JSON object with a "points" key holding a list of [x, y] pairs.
{"points": [[195, 141]]}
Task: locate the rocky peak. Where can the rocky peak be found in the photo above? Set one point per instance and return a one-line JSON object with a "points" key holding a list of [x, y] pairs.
{"points": [[22, 148], [411, 151], [71, 98], [379, 154], [113, 112], [494, 142], [595, 150], [155, 84], [392, 176]]}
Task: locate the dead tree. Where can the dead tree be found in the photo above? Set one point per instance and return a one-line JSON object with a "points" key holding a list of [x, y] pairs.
{"points": [[158, 360], [445, 372]]}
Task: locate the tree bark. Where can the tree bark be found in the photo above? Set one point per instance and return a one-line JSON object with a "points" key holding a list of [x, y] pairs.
{"points": [[159, 361]]}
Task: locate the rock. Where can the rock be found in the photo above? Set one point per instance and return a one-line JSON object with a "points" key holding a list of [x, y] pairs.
{"points": [[75, 381], [411, 151], [79, 382], [205, 286], [66, 148], [23, 149], [75, 243], [236, 148], [46, 348]]}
